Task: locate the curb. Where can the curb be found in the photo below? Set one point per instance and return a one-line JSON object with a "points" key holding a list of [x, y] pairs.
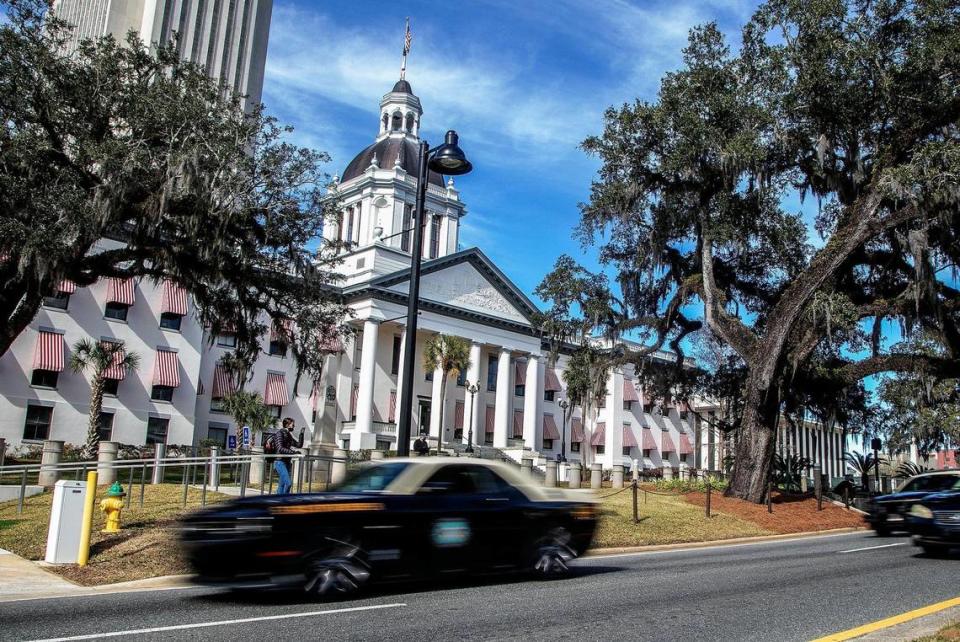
{"points": [[621, 550]]}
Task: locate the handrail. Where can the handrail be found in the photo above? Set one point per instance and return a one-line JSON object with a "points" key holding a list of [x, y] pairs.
{"points": [[166, 461]]}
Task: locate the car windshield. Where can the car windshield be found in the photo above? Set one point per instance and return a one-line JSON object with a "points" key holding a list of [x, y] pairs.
{"points": [[372, 478], [931, 483]]}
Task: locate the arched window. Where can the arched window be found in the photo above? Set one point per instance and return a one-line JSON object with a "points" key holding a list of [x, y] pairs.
{"points": [[397, 123], [410, 123], [386, 122]]}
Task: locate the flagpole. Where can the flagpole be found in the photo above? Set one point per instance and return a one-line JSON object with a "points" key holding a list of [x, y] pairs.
{"points": [[407, 38]]}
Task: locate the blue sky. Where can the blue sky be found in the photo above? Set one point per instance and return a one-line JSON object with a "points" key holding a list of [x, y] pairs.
{"points": [[522, 81]]}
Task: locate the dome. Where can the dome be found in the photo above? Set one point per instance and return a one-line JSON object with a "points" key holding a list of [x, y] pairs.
{"points": [[386, 151], [402, 87]]}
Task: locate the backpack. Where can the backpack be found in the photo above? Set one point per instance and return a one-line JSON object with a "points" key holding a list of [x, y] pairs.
{"points": [[270, 446]]}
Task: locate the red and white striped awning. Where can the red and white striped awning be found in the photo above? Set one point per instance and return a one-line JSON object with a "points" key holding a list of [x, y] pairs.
{"points": [[166, 369], [518, 424], [48, 354], [120, 291], [520, 373], [276, 392], [67, 286], [281, 330], [599, 434], [668, 446], [458, 415], [550, 428], [649, 443], [222, 383], [488, 420], [551, 382], [174, 300], [629, 441], [686, 448], [576, 429], [392, 410], [115, 370], [630, 391]]}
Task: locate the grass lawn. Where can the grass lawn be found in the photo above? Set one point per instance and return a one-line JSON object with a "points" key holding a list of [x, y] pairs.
{"points": [[144, 548], [949, 633], [664, 520]]}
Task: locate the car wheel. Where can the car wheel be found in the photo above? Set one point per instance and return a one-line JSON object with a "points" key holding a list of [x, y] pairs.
{"points": [[552, 552], [338, 572], [935, 550]]}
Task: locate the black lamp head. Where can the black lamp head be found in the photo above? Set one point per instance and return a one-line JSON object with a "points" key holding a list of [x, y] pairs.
{"points": [[449, 159]]}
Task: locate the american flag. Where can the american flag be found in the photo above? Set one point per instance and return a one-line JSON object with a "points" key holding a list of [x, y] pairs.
{"points": [[407, 39]]}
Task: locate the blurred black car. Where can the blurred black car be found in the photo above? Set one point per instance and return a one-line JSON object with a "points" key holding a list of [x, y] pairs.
{"points": [[934, 522], [887, 513], [397, 519]]}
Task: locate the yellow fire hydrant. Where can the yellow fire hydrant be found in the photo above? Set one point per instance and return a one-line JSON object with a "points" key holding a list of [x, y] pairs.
{"points": [[112, 506]]}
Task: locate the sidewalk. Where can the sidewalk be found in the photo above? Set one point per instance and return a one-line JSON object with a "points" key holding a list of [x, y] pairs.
{"points": [[21, 579]]}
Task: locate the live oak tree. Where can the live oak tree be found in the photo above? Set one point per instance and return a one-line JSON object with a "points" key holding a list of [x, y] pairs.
{"points": [[123, 161], [855, 103]]}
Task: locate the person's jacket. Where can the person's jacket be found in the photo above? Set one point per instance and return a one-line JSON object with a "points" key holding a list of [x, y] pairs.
{"points": [[283, 439]]}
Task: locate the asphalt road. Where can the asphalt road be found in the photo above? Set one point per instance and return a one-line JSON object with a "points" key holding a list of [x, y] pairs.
{"points": [[784, 590]]}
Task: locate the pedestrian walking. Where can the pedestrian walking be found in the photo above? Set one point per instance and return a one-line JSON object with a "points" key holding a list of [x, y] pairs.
{"points": [[283, 444]]}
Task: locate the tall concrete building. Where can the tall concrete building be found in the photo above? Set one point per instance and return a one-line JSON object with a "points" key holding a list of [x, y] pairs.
{"points": [[228, 38]]}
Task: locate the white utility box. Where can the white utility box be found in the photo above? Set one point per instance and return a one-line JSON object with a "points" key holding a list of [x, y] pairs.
{"points": [[66, 519]]}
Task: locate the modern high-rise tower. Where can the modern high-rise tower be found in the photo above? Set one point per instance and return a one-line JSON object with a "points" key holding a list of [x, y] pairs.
{"points": [[228, 38]]}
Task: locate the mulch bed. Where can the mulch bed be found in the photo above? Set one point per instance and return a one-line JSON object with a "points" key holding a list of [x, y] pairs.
{"points": [[790, 514]]}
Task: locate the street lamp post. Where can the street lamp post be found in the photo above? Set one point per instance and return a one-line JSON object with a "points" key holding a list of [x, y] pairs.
{"points": [[448, 159], [472, 389], [564, 405]]}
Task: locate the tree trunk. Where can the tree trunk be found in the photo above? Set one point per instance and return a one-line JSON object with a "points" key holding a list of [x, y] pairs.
{"points": [[93, 421], [18, 307], [443, 394], [755, 447]]}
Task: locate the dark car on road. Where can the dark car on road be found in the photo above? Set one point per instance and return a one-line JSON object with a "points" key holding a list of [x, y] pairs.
{"points": [[398, 519], [934, 522], [887, 513]]}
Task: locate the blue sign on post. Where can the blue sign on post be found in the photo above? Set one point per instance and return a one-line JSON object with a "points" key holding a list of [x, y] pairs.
{"points": [[232, 442], [246, 436]]}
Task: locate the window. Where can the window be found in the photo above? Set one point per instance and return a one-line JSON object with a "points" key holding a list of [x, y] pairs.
{"points": [[466, 480], [37, 424], [602, 403], [278, 348], [216, 404], [383, 444], [162, 393], [110, 387], [45, 378], [462, 378], [646, 452], [105, 425], [373, 478], [170, 321], [116, 311], [574, 446], [275, 411], [428, 375], [346, 444], [548, 444], [628, 406], [349, 235], [492, 366], [548, 395], [435, 237], [395, 357], [626, 451], [683, 458], [218, 434], [519, 391], [157, 430], [227, 340], [58, 300], [600, 449], [407, 226]]}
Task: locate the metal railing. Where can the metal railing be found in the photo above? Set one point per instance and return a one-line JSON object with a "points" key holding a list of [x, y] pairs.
{"points": [[230, 473]]}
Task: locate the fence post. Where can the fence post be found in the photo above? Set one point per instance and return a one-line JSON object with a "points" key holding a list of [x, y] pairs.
{"points": [[159, 454], [550, 481], [616, 478], [574, 476], [769, 496], [596, 476], [818, 486], [633, 485], [49, 459], [143, 483], [257, 462], [214, 467], [3, 450], [106, 456], [23, 491], [709, 489], [338, 470]]}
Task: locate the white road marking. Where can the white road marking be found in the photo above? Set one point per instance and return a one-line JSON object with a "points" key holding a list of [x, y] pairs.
{"points": [[872, 548], [199, 625], [716, 546]]}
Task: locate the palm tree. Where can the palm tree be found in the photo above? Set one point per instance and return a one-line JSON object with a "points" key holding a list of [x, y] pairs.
{"points": [[248, 409], [97, 357], [910, 469], [449, 354], [863, 465]]}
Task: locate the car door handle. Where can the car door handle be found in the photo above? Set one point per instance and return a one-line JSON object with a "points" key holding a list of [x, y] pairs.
{"points": [[496, 499]]}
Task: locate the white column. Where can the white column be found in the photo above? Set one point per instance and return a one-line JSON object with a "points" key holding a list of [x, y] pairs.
{"points": [[368, 366], [501, 420], [613, 446], [403, 342], [532, 395], [472, 414], [436, 408]]}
